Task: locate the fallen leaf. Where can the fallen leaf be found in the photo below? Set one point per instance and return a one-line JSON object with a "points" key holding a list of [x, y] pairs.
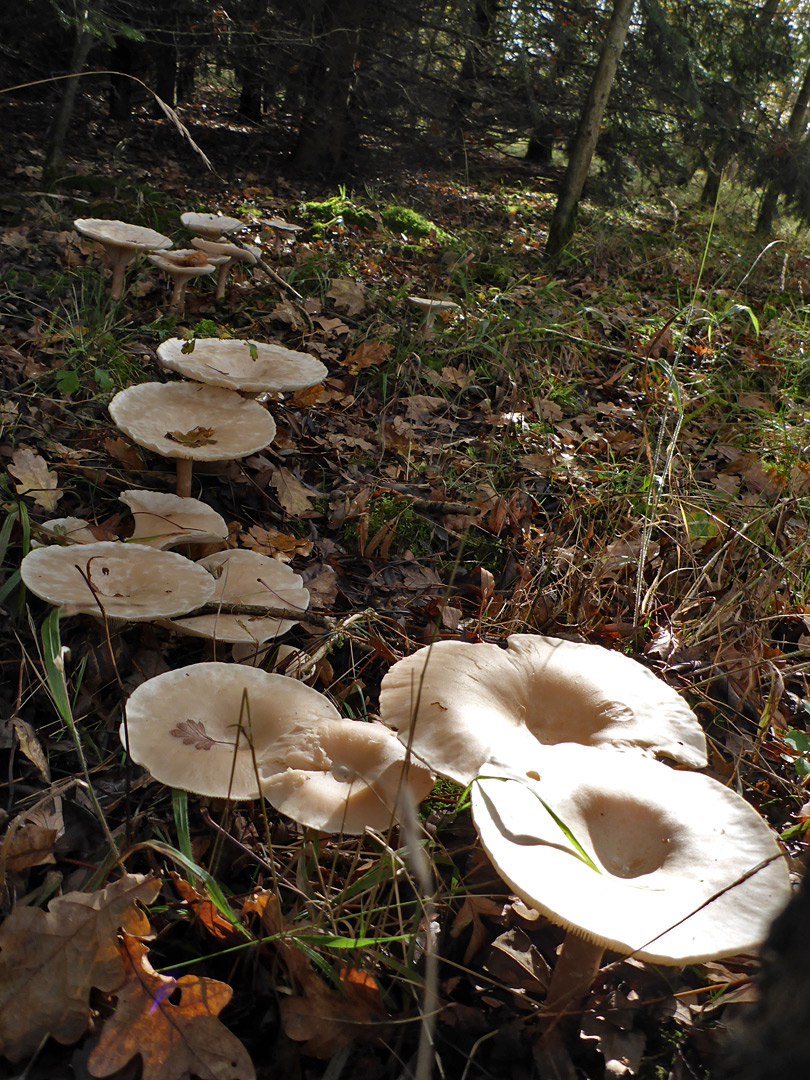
{"points": [[31, 845], [198, 436], [51, 960], [349, 296], [367, 354], [172, 1039], [271, 541], [295, 498], [31, 747], [35, 478]]}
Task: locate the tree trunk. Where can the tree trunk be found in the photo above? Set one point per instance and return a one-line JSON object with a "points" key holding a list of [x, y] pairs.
{"points": [[794, 131], [54, 151], [579, 161]]}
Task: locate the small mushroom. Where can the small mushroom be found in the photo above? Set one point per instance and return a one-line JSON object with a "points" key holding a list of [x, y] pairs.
{"points": [[210, 226], [630, 855], [125, 581], [182, 266], [227, 255], [458, 704], [164, 521], [250, 579], [246, 366], [192, 422], [121, 242], [431, 309], [67, 530]]}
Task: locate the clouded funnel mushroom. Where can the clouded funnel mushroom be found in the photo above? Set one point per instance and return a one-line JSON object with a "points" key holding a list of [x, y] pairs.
{"points": [[458, 704], [182, 266], [247, 366], [121, 242], [672, 866], [192, 422], [126, 581], [163, 520], [210, 226]]}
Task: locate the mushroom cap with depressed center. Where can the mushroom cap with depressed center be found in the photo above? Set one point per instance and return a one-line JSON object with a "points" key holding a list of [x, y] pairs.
{"points": [[180, 265], [163, 520], [459, 704], [247, 366], [246, 577], [230, 251], [192, 421], [120, 234], [665, 843], [68, 530], [343, 776], [127, 581], [193, 728], [210, 226]]}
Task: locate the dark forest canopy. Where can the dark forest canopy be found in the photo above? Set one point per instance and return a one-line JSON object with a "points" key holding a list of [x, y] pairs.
{"points": [[702, 84]]}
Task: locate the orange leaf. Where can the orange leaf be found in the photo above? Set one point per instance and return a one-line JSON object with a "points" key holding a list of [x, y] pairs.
{"points": [[173, 1040]]}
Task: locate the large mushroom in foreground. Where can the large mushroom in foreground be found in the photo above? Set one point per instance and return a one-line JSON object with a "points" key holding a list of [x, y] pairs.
{"points": [[192, 422], [457, 704]]}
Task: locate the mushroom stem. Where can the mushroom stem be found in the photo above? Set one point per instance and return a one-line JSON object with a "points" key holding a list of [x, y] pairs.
{"points": [[573, 976], [119, 261], [177, 305], [222, 276], [184, 467]]}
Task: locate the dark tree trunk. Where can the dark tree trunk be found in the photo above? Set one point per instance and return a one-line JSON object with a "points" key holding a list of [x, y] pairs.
{"points": [[122, 63], [794, 131], [579, 161], [54, 150]]}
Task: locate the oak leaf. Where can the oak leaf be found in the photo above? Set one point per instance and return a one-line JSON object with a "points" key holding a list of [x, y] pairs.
{"points": [[172, 1039], [50, 960], [35, 478]]}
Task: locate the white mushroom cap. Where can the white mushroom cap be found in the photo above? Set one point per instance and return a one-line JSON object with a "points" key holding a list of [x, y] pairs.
{"points": [[163, 520], [665, 842], [432, 307], [248, 366], [281, 225], [343, 776], [460, 704], [246, 577], [192, 728], [130, 581], [210, 225], [148, 412], [122, 243], [71, 530], [236, 254]]}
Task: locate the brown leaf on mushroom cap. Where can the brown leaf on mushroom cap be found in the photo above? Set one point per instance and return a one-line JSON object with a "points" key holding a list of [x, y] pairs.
{"points": [[460, 704], [126, 581], [686, 869]]}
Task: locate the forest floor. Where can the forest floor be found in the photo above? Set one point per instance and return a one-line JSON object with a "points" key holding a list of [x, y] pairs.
{"points": [[611, 451]]}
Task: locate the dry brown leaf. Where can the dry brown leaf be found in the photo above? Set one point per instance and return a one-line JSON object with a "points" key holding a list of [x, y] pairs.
{"points": [[35, 478], [50, 960], [205, 910], [349, 296], [296, 498], [367, 354], [324, 1019], [173, 1040], [270, 541], [30, 845], [31, 747], [124, 452]]}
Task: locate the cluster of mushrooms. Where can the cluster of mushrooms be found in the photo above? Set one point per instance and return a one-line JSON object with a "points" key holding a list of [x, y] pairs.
{"points": [[557, 740]]}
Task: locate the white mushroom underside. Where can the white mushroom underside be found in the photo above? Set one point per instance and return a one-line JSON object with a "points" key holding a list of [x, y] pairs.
{"points": [[128, 581], [665, 841], [248, 366], [460, 704], [148, 412], [163, 520]]}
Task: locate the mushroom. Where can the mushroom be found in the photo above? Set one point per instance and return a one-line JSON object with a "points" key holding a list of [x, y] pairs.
{"points": [[192, 422], [121, 242], [228, 730], [250, 579], [247, 366], [431, 309], [630, 855], [182, 266], [210, 226], [226, 255], [210, 728], [125, 581], [458, 704], [164, 521], [67, 530]]}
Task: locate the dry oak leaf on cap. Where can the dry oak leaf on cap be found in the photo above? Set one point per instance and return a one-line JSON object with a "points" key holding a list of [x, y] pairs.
{"points": [[173, 1040], [50, 960], [34, 478]]}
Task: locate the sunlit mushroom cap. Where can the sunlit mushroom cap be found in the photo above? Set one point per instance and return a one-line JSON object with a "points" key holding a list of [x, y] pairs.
{"points": [[193, 728], [127, 581], [183, 264], [210, 225], [432, 307], [343, 776], [251, 579], [163, 520], [460, 704], [191, 420], [230, 251], [665, 842], [249, 366], [121, 234], [68, 530]]}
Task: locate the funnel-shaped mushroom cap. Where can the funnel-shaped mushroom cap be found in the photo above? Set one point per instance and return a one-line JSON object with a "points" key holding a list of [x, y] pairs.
{"points": [[251, 579], [460, 704], [664, 842], [183, 264], [163, 520], [190, 420], [120, 234], [343, 776], [193, 728], [231, 251], [69, 530], [249, 366], [129, 581], [433, 307], [210, 225]]}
